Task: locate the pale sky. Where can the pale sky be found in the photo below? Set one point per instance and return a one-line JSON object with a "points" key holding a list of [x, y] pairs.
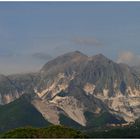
{"points": [[31, 33]]}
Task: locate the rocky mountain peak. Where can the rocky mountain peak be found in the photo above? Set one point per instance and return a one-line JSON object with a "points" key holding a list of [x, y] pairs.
{"points": [[75, 53], [72, 55], [75, 83], [65, 61], [100, 57]]}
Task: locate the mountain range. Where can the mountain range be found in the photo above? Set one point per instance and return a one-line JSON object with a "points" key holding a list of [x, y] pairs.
{"points": [[74, 90]]}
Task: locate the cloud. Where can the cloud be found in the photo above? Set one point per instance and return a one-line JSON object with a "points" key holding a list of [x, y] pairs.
{"points": [[41, 56], [87, 42], [129, 58]]}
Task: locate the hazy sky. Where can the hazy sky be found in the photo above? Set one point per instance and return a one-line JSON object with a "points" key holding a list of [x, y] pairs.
{"points": [[31, 33]]}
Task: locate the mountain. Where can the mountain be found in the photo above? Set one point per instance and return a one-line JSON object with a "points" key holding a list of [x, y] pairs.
{"points": [[14, 86], [78, 89]]}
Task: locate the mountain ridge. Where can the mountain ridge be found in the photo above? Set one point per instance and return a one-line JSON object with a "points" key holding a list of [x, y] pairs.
{"points": [[73, 84]]}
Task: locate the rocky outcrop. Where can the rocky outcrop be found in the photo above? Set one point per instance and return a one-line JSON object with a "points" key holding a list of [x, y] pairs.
{"points": [[14, 86]]}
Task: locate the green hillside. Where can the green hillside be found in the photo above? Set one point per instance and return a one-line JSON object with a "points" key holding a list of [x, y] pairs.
{"points": [[20, 113], [119, 132], [130, 131], [101, 120], [49, 132], [66, 121]]}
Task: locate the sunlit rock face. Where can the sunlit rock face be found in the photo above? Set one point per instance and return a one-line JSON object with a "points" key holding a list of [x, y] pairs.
{"points": [[73, 84], [89, 88], [49, 111]]}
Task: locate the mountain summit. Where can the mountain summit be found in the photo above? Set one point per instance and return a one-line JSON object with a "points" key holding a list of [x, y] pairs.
{"points": [[78, 88]]}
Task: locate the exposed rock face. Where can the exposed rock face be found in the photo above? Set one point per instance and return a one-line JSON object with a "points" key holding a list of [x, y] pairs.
{"points": [[75, 83], [14, 86], [89, 88], [48, 110], [72, 107]]}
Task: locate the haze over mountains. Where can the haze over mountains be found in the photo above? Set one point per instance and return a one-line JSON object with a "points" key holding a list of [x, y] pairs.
{"points": [[85, 91]]}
